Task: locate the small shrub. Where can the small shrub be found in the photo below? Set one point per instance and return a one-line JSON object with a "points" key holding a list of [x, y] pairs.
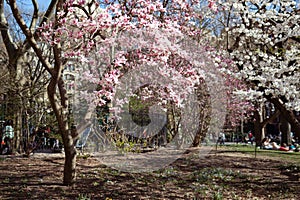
{"points": [[83, 197], [218, 196]]}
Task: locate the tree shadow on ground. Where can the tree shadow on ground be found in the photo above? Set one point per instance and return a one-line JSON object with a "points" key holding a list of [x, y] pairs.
{"points": [[227, 174]]}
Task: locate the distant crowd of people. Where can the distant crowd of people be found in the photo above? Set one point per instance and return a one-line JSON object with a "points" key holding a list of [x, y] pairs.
{"points": [[275, 144], [41, 139], [245, 138]]}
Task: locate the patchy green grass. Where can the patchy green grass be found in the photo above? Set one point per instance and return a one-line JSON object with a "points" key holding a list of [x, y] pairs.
{"points": [[83, 197], [290, 167], [249, 149], [217, 174], [2, 159]]}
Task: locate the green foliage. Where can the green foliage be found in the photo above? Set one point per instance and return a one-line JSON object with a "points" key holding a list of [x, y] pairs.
{"points": [[136, 104], [218, 195], [84, 156], [128, 146], [96, 183], [248, 149], [139, 110], [6, 180], [294, 168], [2, 159], [83, 197], [216, 174]]}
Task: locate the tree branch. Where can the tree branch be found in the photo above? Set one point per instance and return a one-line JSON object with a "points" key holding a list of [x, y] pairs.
{"points": [[270, 119], [10, 46], [34, 15], [48, 13], [44, 19], [29, 36]]}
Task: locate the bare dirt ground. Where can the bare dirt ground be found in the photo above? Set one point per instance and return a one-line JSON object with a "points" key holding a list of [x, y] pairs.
{"points": [[220, 175]]}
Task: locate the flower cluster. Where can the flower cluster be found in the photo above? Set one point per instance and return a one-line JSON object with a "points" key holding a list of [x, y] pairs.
{"points": [[109, 39], [264, 43]]}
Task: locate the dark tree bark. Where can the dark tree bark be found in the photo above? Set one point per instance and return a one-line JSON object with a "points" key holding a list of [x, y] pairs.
{"points": [[258, 129], [260, 124], [56, 92], [285, 129], [287, 114], [61, 113], [204, 114]]}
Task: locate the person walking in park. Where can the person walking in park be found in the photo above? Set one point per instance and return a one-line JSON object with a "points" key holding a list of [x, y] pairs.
{"points": [[7, 137], [250, 137], [222, 138]]}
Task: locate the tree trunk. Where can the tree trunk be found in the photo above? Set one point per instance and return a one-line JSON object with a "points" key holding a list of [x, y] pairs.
{"points": [[261, 122], [18, 130], [14, 112], [61, 113], [69, 148], [285, 129], [171, 123], [288, 115], [58, 100], [258, 133], [203, 128], [70, 160], [198, 138], [205, 111]]}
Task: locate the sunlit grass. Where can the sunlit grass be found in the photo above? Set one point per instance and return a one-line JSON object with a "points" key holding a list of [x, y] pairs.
{"points": [[250, 149]]}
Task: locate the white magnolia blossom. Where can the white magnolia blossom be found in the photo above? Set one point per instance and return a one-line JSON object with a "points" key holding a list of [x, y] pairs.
{"points": [[266, 47]]}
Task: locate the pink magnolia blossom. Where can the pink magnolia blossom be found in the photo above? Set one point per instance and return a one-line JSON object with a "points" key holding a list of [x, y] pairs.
{"points": [[96, 38]]}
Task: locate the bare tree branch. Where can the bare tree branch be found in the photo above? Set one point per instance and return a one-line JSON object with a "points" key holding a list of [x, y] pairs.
{"points": [[34, 16], [11, 47], [46, 17], [29, 36], [48, 13]]}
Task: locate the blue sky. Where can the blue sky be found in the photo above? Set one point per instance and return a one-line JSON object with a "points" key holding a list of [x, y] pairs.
{"points": [[43, 4]]}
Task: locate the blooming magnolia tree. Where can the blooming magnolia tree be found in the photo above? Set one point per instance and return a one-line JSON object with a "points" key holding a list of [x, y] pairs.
{"points": [[107, 40], [155, 18], [263, 40]]}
